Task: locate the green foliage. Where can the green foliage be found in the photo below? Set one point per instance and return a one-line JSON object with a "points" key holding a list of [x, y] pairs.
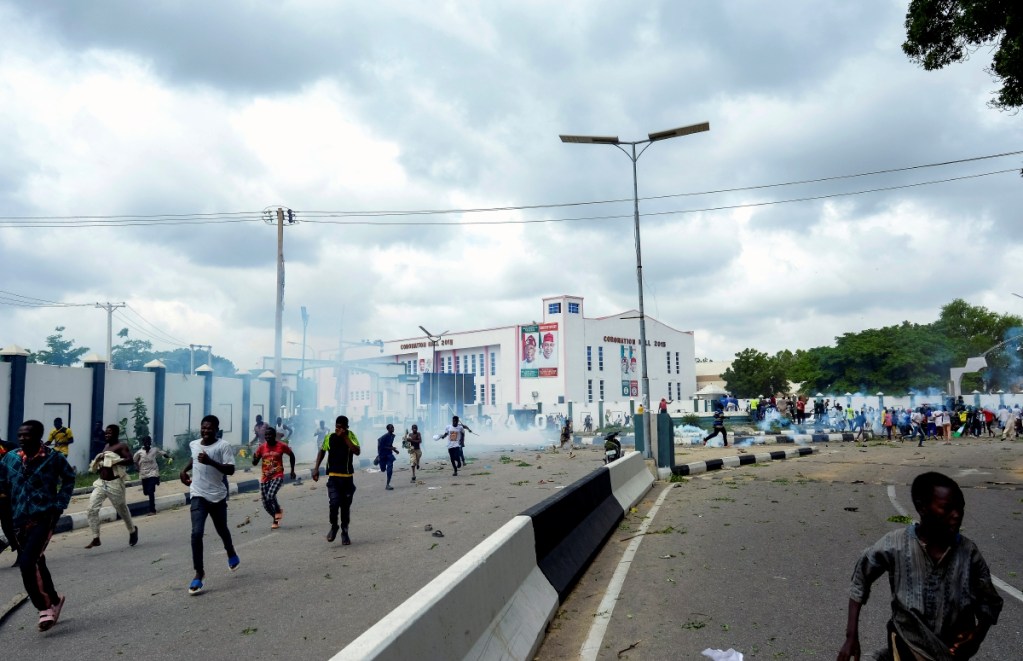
{"points": [[59, 351], [940, 32], [130, 354], [691, 419], [896, 358], [754, 373], [140, 418]]}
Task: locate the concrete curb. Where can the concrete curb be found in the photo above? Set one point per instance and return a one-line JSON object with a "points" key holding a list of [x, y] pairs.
{"points": [[78, 520], [735, 461]]}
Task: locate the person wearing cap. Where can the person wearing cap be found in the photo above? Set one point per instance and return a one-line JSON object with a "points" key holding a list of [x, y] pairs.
{"points": [[547, 350], [529, 350]]}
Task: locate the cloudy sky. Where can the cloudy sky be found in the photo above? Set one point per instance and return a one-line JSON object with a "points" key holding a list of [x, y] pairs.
{"points": [[186, 120]]}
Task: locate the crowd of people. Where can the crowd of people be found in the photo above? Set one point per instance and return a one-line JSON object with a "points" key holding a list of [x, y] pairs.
{"points": [[37, 482]]}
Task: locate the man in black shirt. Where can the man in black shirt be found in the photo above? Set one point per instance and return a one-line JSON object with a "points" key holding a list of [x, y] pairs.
{"points": [[340, 449]]}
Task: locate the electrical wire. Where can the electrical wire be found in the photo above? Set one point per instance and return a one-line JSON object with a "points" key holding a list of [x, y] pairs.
{"points": [[173, 220], [143, 332], [20, 300], [743, 205], [170, 339]]}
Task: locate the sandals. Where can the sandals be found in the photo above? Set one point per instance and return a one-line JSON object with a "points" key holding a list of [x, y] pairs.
{"points": [[46, 619]]}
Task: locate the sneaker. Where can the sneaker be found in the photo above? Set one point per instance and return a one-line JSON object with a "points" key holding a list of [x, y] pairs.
{"points": [[413, 481], [133, 538], [56, 608], [332, 533], [233, 562], [345, 539], [196, 586], [389, 488]]}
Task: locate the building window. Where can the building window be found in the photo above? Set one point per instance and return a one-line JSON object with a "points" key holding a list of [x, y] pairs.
{"points": [[493, 394], [483, 393], [474, 363], [669, 389], [589, 390], [678, 390], [677, 371], [458, 363], [483, 368], [602, 390], [449, 364], [573, 308], [589, 359], [600, 360], [668, 358], [493, 363], [554, 308]]}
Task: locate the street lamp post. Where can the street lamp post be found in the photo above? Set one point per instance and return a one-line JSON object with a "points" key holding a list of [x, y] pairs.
{"points": [[434, 341], [634, 157]]}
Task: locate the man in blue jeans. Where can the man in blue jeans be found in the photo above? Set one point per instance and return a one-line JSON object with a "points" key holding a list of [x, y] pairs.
{"points": [[212, 461]]}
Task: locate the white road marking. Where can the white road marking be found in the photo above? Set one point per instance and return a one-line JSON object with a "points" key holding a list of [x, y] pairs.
{"points": [[607, 605], [999, 583]]}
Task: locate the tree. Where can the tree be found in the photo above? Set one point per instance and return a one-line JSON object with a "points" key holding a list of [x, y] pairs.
{"points": [[59, 351], [940, 32], [178, 361], [130, 354], [754, 373]]}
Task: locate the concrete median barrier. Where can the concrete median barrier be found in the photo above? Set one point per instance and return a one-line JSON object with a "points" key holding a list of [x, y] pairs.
{"points": [[493, 603]]}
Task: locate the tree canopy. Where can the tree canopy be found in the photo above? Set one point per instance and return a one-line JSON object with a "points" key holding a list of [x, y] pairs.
{"points": [[940, 32], [58, 351], [893, 359]]}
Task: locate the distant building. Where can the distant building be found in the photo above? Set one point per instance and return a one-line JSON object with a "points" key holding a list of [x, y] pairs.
{"points": [[562, 362]]}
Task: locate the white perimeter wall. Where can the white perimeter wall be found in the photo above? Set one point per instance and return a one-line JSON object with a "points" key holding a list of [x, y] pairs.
{"points": [[184, 397], [122, 387], [227, 406], [65, 392]]}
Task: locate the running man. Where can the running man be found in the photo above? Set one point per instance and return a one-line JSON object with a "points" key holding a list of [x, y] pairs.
{"points": [[36, 484], [60, 437], [385, 454], [340, 448], [943, 601], [454, 433], [149, 470], [271, 453], [212, 460], [110, 465], [719, 427], [415, 452]]}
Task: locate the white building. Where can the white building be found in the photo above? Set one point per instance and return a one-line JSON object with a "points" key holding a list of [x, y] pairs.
{"points": [[563, 363]]}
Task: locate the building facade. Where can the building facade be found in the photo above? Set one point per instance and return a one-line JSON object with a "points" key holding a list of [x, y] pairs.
{"points": [[562, 362]]}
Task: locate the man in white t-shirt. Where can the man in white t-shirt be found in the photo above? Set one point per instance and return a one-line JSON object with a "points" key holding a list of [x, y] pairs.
{"points": [[453, 433], [212, 460]]}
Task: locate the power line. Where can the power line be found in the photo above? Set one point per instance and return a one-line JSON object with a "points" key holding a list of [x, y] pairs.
{"points": [[173, 220], [20, 300], [143, 332], [744, 205], [170, 339]]}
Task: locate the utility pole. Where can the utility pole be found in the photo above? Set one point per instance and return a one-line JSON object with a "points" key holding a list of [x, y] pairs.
{"points": [[191, 356], [281, 217], [110, 307]]}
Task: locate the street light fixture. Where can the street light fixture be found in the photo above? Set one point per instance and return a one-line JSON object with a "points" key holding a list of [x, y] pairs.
{"points": [[434, 340], [634, 157]]}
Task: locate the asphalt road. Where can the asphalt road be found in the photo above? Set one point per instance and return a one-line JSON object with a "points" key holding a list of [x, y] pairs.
{"points": [[759, 558], [295, 594]]}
